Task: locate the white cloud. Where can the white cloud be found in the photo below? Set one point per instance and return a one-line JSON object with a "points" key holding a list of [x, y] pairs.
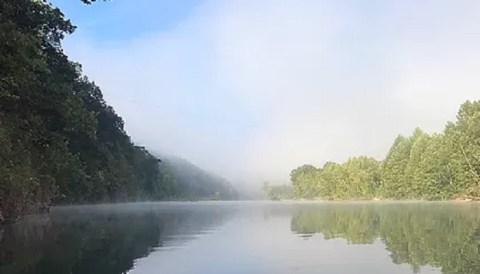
{"points": [[253, 89]]}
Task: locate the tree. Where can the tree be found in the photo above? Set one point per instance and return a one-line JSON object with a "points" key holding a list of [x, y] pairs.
{"points": [[362, 174], [464, 136], [393, 169], [414, 184], [304, 179]]}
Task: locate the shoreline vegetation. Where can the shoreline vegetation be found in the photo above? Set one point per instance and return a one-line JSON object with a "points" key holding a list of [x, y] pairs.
{"points": [[60, 141], [439, 166], [374, 200]]}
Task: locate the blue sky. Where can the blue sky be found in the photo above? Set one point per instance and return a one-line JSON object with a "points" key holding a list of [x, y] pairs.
{"points": [[119, 20], [252, 89]]}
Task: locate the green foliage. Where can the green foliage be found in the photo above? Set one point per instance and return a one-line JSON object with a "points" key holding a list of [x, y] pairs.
{"points": [[393, 169], [60, 142], [301, 178], [356, 178], [36, 90], [442, 166], [360, 178], [434, 175], [464, 138]]}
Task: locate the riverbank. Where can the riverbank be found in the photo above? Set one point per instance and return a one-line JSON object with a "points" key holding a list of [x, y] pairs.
{"points": [[457, 200]]}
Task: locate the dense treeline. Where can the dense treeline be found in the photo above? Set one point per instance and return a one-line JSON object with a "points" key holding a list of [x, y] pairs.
{"points": [[438, 235], [190, 182], [60, 142], [433, 167]]}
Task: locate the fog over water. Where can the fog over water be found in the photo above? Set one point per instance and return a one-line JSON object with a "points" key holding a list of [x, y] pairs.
{"points": [[246, 237], [251, 90]]}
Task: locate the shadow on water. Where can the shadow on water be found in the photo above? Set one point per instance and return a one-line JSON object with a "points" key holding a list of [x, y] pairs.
{"points": [[99, 239], [441, 235]]}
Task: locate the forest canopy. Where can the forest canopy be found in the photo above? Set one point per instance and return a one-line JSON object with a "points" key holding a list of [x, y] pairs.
{"points": [[60, 142]]}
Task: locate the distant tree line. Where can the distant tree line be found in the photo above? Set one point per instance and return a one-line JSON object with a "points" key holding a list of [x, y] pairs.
{"points": [[441, 166], [277, 192], [189, 182], [60, 142]]}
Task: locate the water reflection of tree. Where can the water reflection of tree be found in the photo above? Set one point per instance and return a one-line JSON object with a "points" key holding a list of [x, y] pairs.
{"points": [[439, 235], [103, 242]]}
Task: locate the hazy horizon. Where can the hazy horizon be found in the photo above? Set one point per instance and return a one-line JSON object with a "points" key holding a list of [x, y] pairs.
{"points": [[250, 90]]}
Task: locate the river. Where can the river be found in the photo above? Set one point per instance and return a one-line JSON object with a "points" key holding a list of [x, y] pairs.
{"points": [[246, 237]]}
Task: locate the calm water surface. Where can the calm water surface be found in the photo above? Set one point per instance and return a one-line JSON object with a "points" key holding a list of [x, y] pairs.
{"points": [[246, 237]]}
